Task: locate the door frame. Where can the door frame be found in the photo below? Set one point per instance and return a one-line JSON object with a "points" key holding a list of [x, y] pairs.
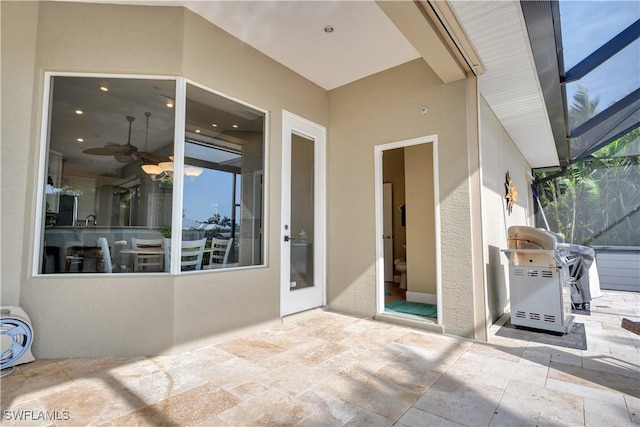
{"points": [[379, 209], [315, 296]]}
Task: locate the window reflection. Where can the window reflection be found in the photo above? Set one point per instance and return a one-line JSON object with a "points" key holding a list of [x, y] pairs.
{"points": [[223, 179], [109, 184], [96, 188]]}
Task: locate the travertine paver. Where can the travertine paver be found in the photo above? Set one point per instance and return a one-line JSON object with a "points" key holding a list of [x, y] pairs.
{"points": [[326, 369]]}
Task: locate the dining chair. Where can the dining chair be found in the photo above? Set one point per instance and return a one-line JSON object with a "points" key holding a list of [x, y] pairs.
{"points": [[191, 255], [148, 262], [74, 257], [81, 258], [219, 254], [104, 263]]}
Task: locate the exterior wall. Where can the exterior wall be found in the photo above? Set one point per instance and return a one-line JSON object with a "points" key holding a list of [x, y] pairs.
{"points": [[19, 20], [499, 155], [75, 316], [376, 110]]}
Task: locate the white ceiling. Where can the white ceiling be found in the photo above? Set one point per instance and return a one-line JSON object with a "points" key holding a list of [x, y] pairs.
{"points": [[365, 42]]}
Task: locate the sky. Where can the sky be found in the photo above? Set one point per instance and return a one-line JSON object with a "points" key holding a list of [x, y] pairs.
{"points": [[587, 25], [208, 194]]}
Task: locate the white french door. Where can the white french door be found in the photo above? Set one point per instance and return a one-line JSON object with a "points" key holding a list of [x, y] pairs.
{"points": [[302, 233]]}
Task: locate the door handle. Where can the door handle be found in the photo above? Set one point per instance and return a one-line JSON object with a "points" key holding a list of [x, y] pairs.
{"points": [[287, 238]]}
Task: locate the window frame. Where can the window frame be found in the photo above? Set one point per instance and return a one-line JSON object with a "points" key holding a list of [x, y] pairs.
{"points": [[178, 179]]}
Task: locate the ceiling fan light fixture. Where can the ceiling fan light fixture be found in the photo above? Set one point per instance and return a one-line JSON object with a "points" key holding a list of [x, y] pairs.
{"points": [[166, 167], [152, 169], [192, 171]]}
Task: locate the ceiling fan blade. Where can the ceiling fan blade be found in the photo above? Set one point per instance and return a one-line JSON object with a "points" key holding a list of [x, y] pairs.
{"points": [[124, 158], [150, 157], [123, 153], [107, 150], [131, 149]]}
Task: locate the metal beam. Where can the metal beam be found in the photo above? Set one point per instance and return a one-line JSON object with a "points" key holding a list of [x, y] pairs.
{"points": [[603, 53], [606, 114], [587, 153]]}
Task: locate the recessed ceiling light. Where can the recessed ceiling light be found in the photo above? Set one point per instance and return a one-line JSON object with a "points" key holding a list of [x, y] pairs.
{"points": [[79, 112], [328, 29], [104, 88], [170, 104], [80, 140], [214, 125], [197, 130], [235, 126]]}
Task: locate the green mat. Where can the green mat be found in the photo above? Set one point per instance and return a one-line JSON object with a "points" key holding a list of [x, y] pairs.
{"points": [[425, 310]]}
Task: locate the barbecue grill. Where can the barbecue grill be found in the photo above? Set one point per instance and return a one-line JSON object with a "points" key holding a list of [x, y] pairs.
{"points": [[539, 280]]}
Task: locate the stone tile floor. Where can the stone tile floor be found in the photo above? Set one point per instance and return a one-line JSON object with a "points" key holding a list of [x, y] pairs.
{"points": [[326, 369]]}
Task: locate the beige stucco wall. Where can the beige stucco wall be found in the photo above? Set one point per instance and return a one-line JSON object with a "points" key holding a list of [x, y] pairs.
{"points": [[376, 110], [421, 236], [79, 316], [499, 155], [19, 20]]}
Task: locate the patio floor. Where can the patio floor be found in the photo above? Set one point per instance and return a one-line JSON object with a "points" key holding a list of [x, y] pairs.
{"points": [[327, 369]]}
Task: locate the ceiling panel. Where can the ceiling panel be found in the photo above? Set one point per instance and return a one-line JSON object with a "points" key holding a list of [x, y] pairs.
{"points": [[510, 84]]}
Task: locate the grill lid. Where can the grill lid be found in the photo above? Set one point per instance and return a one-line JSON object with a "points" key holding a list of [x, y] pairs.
{"points": [[522, 237]]}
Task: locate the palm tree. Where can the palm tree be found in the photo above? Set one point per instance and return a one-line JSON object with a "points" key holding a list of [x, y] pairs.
{"points": [[596, 201], [583, 107]]}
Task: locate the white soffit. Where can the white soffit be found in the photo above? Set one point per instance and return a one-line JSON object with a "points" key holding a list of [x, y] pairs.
{"points": [[510, 84]]}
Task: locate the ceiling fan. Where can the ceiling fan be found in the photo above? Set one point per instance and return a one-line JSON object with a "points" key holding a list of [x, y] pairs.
{"points": [[124, 153]]}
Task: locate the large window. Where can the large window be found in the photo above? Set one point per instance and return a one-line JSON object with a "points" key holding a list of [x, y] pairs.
{"points": [[116, 170]]}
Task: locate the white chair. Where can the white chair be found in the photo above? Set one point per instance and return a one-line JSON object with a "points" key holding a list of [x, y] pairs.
{"points": [[192, 252], [104, 264], [119, 259], [219, 254], [148, 261]]}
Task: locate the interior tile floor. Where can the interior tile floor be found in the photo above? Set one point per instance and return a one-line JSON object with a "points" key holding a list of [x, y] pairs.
{"points": [[327, 369], [392, 292]]}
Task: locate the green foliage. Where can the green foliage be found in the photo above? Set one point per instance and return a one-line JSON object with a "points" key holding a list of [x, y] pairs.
{"points": [[166, 231], [223, 221], [596, 201]]}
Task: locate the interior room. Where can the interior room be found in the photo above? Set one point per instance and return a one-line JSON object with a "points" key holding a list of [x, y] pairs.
{"points": [[111, 171], [410, 280]]}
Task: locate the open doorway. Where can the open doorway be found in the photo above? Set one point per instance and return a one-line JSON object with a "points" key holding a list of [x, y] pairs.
{"points": [[407, 226]]}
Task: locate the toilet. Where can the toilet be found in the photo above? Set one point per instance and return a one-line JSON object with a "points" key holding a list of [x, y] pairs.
{"points": [[401, 266]]}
